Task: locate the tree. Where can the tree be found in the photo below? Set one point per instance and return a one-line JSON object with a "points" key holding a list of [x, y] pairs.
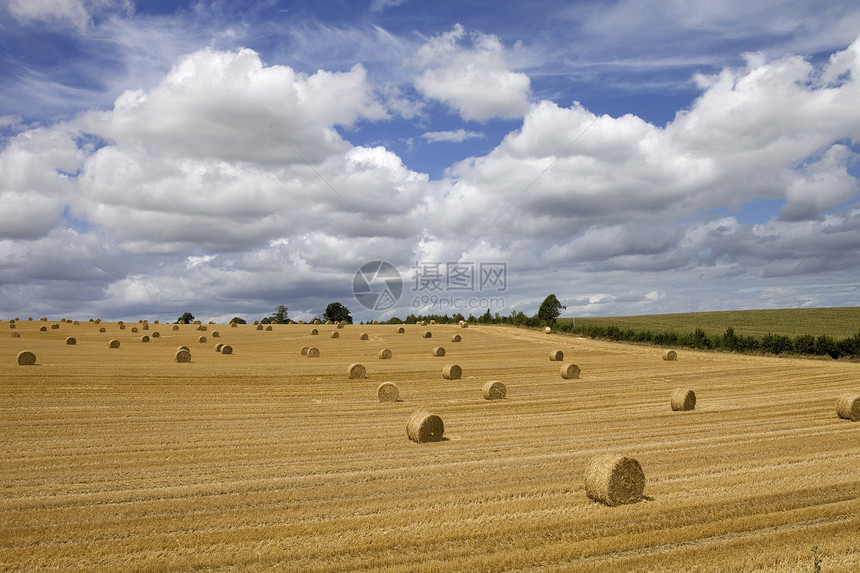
{"points": [[238, 320], [336, 312], [279, 317], [549, 309], [186, 318]]}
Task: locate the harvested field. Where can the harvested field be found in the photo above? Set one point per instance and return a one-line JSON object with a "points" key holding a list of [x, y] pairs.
{"points": [[125, 460]]}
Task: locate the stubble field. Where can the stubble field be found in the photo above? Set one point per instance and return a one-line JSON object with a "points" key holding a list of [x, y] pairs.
{"points": [[125, 460]]}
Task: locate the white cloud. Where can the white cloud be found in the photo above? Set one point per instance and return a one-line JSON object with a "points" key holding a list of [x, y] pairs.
{"points": [[77, 14], [475, 81], [456, 136]]}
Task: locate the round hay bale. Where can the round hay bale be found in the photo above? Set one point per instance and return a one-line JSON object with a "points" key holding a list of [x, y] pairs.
{"points": [[384, 354], [156, 334], [155, 321], [452, 372], [259, 327], [219, 346], [387, 392], [547, 330], [464, 324], [305, 350], [427, 334], [670, 355], [183, 347], [76, 323], [144, 338], [848, 407], [226, 349], [556, 355], [175, 327], [234, 324], [341, 324], [43, 329], [122, 327], [269, 328], [202, 328], [114, 343], [71, 341], [683, 400], [456, 338], [569, 371], [614, 480], [16, 335], [314, 332], [401, 330], [335, 334], [102, 329], [11, 325], [44, 318], [145, 327], [55, 326], [375, 322], [26, 358], [425, 427], [313, 352], [432, 322], [134, 329], [256, 322], [364, 336], [317, 321], [494, 390], [215, 334], [356, 371], [182, 356], [439, 351], [201, 340]]}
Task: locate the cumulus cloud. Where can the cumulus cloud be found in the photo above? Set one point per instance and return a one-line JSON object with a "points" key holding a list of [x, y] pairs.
{"points": [[474, 80], [456, 136], [73, 13]]}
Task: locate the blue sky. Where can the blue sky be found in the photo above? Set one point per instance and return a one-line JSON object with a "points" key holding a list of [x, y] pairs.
{"points": [[226, 157]]}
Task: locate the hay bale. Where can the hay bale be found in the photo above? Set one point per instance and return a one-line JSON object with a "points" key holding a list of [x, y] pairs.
{"points": [[569, 371], [144, 338], [76, 323], [425, 427], [55, 326], [134, 329], [556, 355], [201, 340], [427, 334], [145, 327], [269, 328], [364, 336], [182, 355], [683, 400], [219, 346], [335, 334], [439, 351], [122, 326], [259, 327], [175, 327], [71, 341], [341, 324], [313, 352], [226, 349], [155, 321], [452, 372], [614, 480], [384, 354], [156, 334], [356, 371], [11, 325], [317, 321], [16, 335], [329, 322], [305, 350], [848, 407], [314, 332], [256, 322], [547, 330], [102, 329], [113, 343], [26, 358], [494, 390], [387, 392], [432, 322], [183, 347], [202, 328], [215, 334], [234, 324], [400, 330], [670, 355], [464, 324], [43, 329], [456, 338]]}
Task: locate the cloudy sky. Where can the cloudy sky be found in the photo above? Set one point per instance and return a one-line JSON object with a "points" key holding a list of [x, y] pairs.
{"points": [[223, 157]]}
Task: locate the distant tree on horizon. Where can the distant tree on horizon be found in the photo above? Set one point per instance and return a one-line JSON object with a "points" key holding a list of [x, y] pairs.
{"points": [[186, 318], [550, 309], [336, 312]]}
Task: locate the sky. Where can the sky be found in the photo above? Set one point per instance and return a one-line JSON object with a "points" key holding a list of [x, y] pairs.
{"points": [[224, 157]]}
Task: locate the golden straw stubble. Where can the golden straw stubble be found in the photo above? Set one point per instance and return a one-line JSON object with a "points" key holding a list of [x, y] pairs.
{"points": [[614, 480], [494, 390], [356, 371], [569, 371], [26, 358], [848, 407], [387, 392], [683, 400], [425, 427]]}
